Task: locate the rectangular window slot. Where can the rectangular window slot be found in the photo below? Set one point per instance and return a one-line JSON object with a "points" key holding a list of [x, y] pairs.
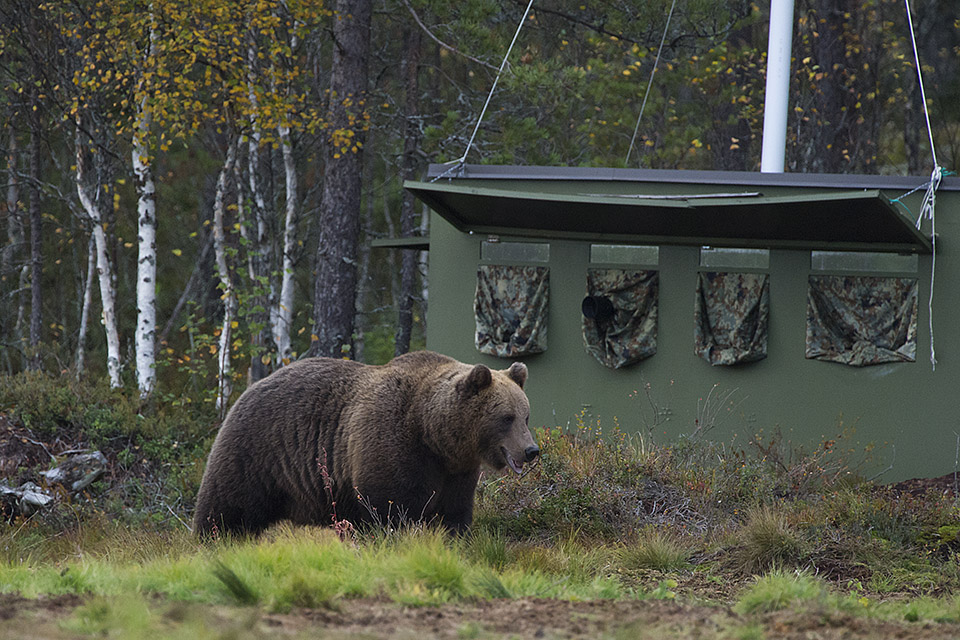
{"points": [[511, 252], [863, 262], [724, 258], [625, 254]]}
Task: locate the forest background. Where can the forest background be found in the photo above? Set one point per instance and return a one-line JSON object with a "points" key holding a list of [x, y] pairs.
{"points": [[206, 177]]}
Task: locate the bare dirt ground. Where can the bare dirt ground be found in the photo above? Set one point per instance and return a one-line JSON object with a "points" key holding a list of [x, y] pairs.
{"points": [[946, 484], [45, 618]]}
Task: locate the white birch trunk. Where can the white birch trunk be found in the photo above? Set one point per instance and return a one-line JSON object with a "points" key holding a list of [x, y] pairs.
{"points": [[282, 313], [146, 332], [146, 256], [108, 294], [241, 205], [253, 158], [224, 374], [87, 303], [108, 297]]}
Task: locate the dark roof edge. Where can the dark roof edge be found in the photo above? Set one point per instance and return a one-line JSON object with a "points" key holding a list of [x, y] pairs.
{"points": [[596, 174]]}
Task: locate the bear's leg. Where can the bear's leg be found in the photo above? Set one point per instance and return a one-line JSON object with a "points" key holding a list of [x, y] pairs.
{"points": [[456, 502], [310, 510], [221, 510]]}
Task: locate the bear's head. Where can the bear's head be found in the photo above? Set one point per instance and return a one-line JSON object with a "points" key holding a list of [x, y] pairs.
{"points": [[498, 412]]}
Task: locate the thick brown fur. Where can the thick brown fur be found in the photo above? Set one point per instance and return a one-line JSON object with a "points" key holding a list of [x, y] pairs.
{"points": [[402, 441]]}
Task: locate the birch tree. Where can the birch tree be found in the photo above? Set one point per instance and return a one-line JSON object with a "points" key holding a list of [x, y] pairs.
{"points": [[146, 228], [108, 295], [255, 231], [283, 312], [80, 360], [225, 273], [276, 103]]}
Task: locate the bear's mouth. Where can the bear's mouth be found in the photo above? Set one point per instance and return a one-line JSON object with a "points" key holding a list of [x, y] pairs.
{"points": [[517, 468]]}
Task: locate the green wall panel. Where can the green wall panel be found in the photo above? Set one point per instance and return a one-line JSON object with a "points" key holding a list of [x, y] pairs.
{"points": [[905, 407]]}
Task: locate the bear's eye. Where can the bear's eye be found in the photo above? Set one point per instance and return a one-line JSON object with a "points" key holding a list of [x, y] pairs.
{"points": [[507, 421]]}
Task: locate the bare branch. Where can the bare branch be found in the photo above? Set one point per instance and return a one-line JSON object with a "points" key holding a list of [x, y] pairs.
{"points": [[441, 42]]}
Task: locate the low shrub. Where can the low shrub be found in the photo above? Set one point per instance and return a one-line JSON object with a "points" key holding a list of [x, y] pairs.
{"points": [[155, 451]]}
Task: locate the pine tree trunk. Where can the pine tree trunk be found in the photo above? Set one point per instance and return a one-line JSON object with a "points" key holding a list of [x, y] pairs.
{"points": [[224, 373], [336, 282], [411, 141], [146, 256], [36, 253]]}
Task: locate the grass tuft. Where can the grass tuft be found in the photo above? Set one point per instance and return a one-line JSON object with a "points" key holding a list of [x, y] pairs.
{"points": [[780, 589], [766, 540], [658, 550]]}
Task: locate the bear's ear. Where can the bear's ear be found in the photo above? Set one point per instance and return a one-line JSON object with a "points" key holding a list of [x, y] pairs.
{"points": [[476, 381], [518, 373]]}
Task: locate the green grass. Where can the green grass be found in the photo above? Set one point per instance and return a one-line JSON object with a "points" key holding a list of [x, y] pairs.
{"points": [[310, 567]]}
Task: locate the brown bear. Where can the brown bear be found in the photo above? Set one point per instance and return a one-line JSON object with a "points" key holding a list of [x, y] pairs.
{"points": [[325, 439]]}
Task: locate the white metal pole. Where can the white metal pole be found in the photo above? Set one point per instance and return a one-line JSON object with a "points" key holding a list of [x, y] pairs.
{"points": [[777, 95]]}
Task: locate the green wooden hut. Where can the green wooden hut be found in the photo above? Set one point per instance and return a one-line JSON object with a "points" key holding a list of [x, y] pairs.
{"points": [[738, 303]]}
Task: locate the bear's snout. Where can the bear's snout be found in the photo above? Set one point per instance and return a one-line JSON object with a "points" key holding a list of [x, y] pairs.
{"points": [[531, 453]]}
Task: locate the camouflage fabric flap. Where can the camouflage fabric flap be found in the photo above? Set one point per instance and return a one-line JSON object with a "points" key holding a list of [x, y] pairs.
{"points": [[631, 334], [511, 310], [862, 320], [731, 316]]}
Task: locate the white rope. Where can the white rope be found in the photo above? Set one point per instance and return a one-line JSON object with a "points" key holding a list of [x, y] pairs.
{"points": [[653, 72], [923, 95], [927, 210]]}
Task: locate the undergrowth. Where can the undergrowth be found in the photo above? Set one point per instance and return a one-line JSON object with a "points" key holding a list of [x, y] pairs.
{"points": [[156, 451], [601, 514]]}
